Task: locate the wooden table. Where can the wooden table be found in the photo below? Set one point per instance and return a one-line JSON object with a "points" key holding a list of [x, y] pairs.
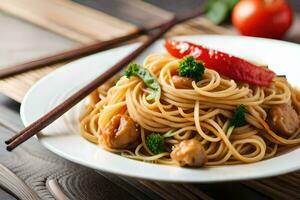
{"points": [[53, 177]]}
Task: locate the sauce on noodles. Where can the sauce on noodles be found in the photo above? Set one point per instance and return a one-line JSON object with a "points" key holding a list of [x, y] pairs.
{"points": [[193, 120]]}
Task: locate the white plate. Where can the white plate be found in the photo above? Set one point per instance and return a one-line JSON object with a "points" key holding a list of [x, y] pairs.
{"points": [[63, 138]]}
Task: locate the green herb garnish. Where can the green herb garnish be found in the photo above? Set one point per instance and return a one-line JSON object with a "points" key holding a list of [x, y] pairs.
{"points": [[134, 69], [155, 143], [189, 67], [238, 117]]}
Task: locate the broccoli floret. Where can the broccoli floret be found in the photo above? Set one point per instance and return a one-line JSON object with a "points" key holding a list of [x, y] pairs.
{"points": [[132, 69], [189, 67], [155, 143], [238, 117]]}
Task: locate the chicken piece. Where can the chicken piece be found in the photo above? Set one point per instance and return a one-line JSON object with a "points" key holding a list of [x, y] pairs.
{"points": [[120, 132], [182, 82], [283, 119], [189, 153]]}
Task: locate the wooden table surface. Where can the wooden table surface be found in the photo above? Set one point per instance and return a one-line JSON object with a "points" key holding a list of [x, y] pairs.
{"points": [[21, 41]]}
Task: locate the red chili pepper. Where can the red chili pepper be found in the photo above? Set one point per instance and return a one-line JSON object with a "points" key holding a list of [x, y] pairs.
{"points": [[225, 64]]}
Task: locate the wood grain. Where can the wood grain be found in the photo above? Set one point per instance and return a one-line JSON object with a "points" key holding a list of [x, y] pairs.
{"points": [[22, 82], [15, 185], [280, 187], [65, 56], [55, 190], [22, 41], [85, 183], [136, 12], [70, 19]]}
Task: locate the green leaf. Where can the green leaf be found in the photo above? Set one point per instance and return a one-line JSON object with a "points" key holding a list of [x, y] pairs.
{"points": [[134, 69], [218, 12], [209, 4]]}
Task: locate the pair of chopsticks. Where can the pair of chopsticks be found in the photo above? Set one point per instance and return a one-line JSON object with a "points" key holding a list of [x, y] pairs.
{"points": [[81, 51], [63, 107], [71, 54]]}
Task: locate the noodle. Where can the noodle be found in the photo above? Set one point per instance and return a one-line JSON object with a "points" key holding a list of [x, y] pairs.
{"points": [[202, 113]]}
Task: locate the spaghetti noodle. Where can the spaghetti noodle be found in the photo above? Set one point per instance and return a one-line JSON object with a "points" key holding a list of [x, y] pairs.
{"points": [[201, 112]]}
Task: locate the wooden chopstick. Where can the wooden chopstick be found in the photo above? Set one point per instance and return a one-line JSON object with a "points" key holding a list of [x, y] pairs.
{"points": [[66, 55], [81, 51], [59, 110], [70, 54]]}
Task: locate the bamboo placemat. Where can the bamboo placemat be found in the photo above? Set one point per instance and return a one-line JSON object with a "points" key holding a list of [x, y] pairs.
{"points": [[78, 23], [69, 19]]}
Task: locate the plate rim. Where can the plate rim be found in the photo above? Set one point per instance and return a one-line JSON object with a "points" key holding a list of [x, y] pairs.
{"points": [[57, 152]]}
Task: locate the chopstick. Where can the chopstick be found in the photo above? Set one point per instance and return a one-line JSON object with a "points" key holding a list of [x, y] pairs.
{"points": [[70, 54], [79, 52], [66, 55], [63, 107]]}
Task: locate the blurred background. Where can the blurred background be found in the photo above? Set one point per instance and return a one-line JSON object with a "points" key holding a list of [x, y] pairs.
{"points": [[36, 28]]}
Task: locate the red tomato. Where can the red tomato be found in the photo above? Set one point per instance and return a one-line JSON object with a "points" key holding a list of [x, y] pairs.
{"points": [[262, 18]]}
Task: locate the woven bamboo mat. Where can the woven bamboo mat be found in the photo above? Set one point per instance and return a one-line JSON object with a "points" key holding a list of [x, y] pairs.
{"points": [[78, 23]]}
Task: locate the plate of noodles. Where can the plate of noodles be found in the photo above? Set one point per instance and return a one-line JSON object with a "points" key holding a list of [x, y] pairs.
{"points": [[189, 109]]}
